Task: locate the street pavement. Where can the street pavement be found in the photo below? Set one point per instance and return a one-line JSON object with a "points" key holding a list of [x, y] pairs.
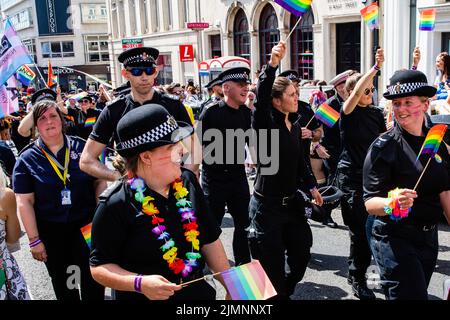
{"points": [[325, 278]]}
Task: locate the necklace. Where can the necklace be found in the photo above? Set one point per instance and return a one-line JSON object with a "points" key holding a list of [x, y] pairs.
{"points": [[190, 227]]}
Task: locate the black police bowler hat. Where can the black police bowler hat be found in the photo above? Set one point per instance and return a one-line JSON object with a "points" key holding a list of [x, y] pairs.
{"points": [[212, 83], [148, 127], [139, 57], [238, 74], [331, 196], [290, 74], [43, 94], [406, 83]]}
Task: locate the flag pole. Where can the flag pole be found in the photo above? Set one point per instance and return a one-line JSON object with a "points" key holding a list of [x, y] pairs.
{"points": [[310, 121], [420, 178], [293, 29], [199, 279]]}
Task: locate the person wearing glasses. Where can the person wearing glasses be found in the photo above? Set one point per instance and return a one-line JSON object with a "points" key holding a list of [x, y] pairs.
{"points": [[87, 117], [139, 68], [360, 123]]}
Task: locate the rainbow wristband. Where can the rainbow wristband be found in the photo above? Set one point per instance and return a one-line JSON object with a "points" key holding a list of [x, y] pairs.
{"points": [[376, 67], [138, 283]]}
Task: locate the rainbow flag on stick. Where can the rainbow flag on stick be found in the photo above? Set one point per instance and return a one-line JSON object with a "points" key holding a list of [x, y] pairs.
{"points": [[296, 7], [90, 122], [327, 115], [248, 282], [25, 75], [371, 16], [86, 231], [427, 20], [433, 141]]}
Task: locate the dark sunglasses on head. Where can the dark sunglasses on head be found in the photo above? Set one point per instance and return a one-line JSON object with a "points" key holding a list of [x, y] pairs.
{"points": [[84, 101], [138, 71], [367, 91]]}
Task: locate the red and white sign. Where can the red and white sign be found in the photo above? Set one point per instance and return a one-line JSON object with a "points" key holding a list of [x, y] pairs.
{"points": [[198, 25], [186, 53]]}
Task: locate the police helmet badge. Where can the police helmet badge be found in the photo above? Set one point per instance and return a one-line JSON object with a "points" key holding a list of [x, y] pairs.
{"points": [[397, 88], [171, 121]]}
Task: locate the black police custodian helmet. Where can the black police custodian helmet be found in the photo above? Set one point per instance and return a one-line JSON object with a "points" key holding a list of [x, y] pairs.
{"points": [[139, 57], [238, 74], [406, 83], [331, 197], [148, 127], [43, 94]]}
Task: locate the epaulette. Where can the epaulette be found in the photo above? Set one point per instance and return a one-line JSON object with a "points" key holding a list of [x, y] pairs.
{"points": [[115, 100], [113, 188], [383, 140]]}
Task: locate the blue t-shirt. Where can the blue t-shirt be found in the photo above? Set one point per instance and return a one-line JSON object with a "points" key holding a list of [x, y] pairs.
{"points": [[33, 173]]}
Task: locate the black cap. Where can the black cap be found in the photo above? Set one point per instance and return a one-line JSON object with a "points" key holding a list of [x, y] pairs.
{"points": [[406, 83], [87, 98], [238, 74], [214, 82], [148, 127], [290, 74], [43, 94], [139, 57]]}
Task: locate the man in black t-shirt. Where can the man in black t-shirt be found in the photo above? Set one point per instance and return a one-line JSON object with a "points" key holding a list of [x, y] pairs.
{"points": [[139, 68]]}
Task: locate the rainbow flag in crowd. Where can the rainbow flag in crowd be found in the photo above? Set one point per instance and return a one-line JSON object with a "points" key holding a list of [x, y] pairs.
{"points": [[13, 53], [79, 96], [86, 231], [25, 75], [433, 141], [296, 7], [427, 20], [371, 16], [327, 115], [90, 122], [248, 282]]}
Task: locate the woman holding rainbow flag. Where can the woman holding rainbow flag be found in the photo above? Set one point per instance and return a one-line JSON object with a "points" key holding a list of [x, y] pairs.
{"points": [[404, 234]]}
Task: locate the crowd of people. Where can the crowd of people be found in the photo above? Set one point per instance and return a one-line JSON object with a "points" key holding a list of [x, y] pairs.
{"points": [[157, 225]]}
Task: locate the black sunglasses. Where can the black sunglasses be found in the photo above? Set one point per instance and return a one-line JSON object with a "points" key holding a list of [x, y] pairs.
{"points": [[85, 101], [367, 91], [138, 71]]}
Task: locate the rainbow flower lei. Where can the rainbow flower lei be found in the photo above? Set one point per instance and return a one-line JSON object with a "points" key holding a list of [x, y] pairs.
{"points": [[393, 208], [170, 251]]}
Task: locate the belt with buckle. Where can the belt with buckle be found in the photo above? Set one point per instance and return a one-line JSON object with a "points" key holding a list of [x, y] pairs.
{"points": [[284, 201]]}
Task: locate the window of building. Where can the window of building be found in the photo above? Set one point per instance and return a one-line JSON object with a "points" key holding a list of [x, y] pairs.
{"points": [[96, 48], [241, 35], [186, 10], [165, 75], [144, 16], [155, 14], [269, 35], [302, 47], [216, 47], [31, 47], [57, 49], [132, 17], [169, 9]]}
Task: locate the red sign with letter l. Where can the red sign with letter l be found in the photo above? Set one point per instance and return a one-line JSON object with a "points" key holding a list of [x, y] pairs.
{"points": [[186, 53]]}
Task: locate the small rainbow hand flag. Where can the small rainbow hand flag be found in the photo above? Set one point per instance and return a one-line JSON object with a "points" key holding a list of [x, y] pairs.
{"points": [[86, 231], [248, 282], [427, 20], [327, 115], [90, 122], [296, 7], [433, 141], [370, 15]]}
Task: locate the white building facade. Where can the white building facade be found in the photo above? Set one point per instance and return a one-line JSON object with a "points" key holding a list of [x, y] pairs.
{"points": [[331, 38], [69, 33]]}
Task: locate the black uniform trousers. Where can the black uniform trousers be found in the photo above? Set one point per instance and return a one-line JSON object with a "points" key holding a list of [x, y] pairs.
{"points": [[230, 188], [279, 234], [66, 247], [406, 256], [355, 216]]}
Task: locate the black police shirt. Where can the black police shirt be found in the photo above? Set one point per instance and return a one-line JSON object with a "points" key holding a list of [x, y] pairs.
{"points": [[391, 163], [7, 158], [19, 140], [292, 168], [84, 127], [331, 139], [33, 173], [222, 117], [106, 124], [122, 234], [358, 130]]}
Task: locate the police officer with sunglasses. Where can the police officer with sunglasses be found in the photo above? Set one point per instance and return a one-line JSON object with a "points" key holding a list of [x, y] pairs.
{"points": [[139, 68]]}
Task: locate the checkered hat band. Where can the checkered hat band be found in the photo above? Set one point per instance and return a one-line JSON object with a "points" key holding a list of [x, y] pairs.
{"points": [[137, 59], [235, 76], [406, 87], [153, 135]]}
